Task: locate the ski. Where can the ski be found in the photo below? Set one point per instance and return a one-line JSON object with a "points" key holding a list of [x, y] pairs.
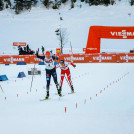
{"points": [[45, 99], [72, 93], [67, 93], [59, 96], [49, 98], [62, 96]]}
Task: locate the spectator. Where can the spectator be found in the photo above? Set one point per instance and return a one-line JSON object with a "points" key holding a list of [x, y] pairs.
{"points": [[42, 48]]}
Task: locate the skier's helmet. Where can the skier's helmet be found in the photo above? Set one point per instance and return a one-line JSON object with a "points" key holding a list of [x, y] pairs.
{"points": [[47, 53], [61, 61]]}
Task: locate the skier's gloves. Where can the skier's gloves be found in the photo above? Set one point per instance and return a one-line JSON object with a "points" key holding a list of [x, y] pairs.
{"points": [[74, 66]]}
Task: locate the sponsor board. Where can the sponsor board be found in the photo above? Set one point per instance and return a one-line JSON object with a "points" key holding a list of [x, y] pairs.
{"points": [[76, 58], [124, 33], [12, 60], [19, 43], [126, 58], [102, 58]]}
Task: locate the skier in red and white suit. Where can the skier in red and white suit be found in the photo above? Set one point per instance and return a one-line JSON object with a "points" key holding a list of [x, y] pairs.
{"points": [[65, 70]]}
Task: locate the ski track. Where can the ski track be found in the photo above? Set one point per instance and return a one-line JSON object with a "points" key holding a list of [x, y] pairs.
{"points": [[104, 98]]}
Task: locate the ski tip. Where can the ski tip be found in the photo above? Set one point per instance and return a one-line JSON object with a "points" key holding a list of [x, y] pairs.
{"points": [[72, 93], [61, 96], [44, 99]]}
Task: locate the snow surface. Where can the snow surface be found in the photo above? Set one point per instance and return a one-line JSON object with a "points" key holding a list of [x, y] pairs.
{"points": [[37, 27], [104, 92], [105, 105]]}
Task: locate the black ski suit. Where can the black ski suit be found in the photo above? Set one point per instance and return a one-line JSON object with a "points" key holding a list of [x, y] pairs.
{"points": [[50, 70]]}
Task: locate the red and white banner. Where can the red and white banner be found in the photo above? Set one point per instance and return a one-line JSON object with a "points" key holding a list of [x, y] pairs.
{"points": [[128, 58], [19, 43], [77, 58], [100, 58]]}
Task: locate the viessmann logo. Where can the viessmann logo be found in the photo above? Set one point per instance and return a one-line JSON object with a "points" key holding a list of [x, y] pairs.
{"points": [[11, 60], [123, 33], [100, 58], [37, 59], [127, 58], [74, 58]]}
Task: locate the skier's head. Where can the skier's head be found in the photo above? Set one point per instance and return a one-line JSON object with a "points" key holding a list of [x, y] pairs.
{"points": [[62, 62], [47, 54]]}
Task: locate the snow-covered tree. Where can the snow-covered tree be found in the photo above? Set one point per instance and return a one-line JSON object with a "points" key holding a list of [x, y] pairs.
{"points": [[46, 3], [72, 4], [23, 5], [1, 5], [18, 6], [8, 3], [62, 37], [132, 2]]}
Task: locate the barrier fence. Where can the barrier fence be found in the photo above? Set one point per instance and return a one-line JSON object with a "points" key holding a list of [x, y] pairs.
{"points": [[76, 58]]}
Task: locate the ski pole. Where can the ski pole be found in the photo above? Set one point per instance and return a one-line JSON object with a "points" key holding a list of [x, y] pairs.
{"points": [[67, 82], [32, 77], [1, 89], [70, 45], [71, 51]]}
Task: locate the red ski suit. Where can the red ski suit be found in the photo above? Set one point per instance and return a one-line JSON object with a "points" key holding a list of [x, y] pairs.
{"points": [[65, 70]]}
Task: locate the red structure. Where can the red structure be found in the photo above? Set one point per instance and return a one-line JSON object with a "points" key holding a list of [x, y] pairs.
{"points": [[98, 32]]}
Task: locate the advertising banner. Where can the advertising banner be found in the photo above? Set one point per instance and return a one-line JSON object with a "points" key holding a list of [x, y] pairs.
{"points": [[76, 58]]}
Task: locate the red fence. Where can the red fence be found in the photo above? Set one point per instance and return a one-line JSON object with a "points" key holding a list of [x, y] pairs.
{"points": [[100, 58], [76, 58]]}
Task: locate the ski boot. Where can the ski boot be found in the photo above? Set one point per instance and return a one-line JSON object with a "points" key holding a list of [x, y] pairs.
{"points": [[59, 92], [57, 85], [47, 96], [72, 89]]}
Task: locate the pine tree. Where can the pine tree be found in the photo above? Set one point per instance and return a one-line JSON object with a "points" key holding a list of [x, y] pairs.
{"points": [[18, 6], [112, 2], [8, 3], [82, 0], [72, 4], [106, 2], [92, 2], [63, 1], [1, 5], [132, 2], [27, 4], [21, 5], [56, 4], [46, 3]]}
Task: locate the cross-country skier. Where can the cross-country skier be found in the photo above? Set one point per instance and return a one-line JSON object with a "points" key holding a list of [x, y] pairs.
{"points": [[50, 70], [65, 70]]}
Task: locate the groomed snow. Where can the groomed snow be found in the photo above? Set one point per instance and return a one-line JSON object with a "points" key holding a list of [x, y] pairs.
{"points": [[105, 105], [104, 92]]}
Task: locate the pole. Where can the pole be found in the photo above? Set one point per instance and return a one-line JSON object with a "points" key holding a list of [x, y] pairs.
{"points": [[2, 89], [32, 78], [71, 51], [67, 82], [70, 45], [33, 75]]}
